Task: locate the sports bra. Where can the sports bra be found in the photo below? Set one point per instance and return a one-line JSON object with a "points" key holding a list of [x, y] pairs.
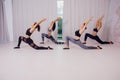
{"points": [[77, 33], [95, 29], [28, 32]]}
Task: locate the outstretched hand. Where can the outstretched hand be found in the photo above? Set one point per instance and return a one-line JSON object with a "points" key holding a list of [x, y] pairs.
{"points": [[91, 18], [101, 17], [57, 19], [44, 19]]}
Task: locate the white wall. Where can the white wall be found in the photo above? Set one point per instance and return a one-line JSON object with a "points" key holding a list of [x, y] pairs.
{"points": [[26, 12], [114, 21], [3, 23], [77, 11]]}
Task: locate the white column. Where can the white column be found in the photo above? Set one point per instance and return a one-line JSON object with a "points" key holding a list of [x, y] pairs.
{"points": [[9, 16]]}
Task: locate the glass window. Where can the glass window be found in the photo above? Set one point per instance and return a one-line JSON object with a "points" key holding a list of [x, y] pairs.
{"points": [[60, 4]]}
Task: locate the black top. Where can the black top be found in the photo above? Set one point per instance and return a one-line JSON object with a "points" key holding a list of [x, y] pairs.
{"points": [[28, 32], [95, 29], [77, 33]]}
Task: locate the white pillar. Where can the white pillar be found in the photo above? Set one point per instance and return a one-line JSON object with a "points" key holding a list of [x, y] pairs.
{"points": [[9, 15]]}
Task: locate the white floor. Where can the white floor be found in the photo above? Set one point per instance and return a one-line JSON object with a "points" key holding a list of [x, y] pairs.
{"points": [[58, 64]]}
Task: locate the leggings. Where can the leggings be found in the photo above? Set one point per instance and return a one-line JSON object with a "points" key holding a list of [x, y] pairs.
{"points": [[30, 42], [78, 42], [95, 38], [51, 38]]}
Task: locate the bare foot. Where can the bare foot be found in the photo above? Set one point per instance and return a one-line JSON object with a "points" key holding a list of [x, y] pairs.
{"points": [[41, 42], [99, 47]]}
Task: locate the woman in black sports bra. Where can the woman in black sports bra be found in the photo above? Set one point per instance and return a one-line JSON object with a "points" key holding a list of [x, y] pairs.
{"points": [[76, 39], [28, 40], [94, 35]]}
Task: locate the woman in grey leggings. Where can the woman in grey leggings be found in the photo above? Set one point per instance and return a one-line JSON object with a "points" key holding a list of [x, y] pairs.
{"points": [[78, 33], [49, 34]]}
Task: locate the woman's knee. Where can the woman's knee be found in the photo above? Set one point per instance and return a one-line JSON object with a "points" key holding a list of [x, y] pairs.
{"points": [[43, 34], [21, 37], [31, 44], [87, 34], [67, 37], [35, 47]]}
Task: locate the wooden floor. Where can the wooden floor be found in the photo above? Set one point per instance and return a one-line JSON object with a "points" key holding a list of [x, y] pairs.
{"points": [[58, 64]]}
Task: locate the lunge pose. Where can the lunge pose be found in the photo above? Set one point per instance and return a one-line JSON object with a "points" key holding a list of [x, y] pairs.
{"points": [[78, 34], [49, 34], [27, 38], [94, 35]]}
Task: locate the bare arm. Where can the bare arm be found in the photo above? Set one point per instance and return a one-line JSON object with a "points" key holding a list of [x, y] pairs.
{"points": [[35, 25], [84, 25], [51, 25], [39, 22], [87, 21], [99, 22], [98, 25], [57, 19]]}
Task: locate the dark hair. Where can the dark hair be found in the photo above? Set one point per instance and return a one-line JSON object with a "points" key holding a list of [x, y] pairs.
{"points": [[84, 24], [54, 26], [38, 27], [35, 23]]}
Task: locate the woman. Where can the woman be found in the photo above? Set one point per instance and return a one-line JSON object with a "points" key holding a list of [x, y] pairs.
{"points": [[49, 34], [27, 38], [94, 35], [78, 34]]}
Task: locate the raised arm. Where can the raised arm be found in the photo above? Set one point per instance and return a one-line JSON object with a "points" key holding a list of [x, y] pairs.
{"points": [[52, 23], [101, 17], [84, 25], [36, 24], [87, 21], [99, 22], [57, 19], [39, 22]]}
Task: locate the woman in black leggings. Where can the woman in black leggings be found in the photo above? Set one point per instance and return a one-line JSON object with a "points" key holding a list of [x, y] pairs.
{"points": [[28, 40], [94, 35]]}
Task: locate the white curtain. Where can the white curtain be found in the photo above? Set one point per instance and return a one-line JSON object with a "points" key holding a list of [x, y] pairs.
{"points": [[25, 12], [3, 23], [9, 17], [76, 11], [114, 20]]}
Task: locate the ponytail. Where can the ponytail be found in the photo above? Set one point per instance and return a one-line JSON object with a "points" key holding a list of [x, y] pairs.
{"points": [[38, 28]]}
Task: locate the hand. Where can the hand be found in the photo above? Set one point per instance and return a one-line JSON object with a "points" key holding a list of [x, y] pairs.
{"points": [[57, 19], [90, 18], [34, 23], [87, 21], [102, 17], [44, 19]]}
